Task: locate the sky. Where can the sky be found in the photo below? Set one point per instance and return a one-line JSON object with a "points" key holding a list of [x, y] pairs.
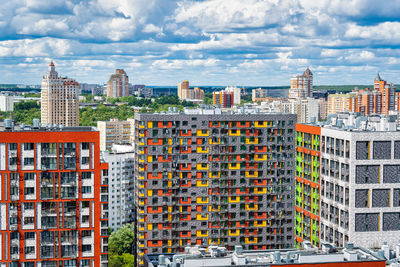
{"points": [[214, 42]]}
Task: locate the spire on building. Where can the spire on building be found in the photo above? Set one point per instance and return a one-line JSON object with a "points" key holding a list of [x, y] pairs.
{"points": [[308, 72], [378, 77]]}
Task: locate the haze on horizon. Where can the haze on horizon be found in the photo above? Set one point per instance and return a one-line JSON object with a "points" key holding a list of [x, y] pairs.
{"points": [[215, 42]]}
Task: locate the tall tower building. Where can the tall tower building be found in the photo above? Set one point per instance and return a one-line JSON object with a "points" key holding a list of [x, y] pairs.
{"points": [[210, 178], [54, 197], [118, 84], [388, 92], [183, 89], [60, 99], [301, 86]]}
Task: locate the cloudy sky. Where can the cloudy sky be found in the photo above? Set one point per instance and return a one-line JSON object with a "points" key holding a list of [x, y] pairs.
{"points": [[215, 42]]}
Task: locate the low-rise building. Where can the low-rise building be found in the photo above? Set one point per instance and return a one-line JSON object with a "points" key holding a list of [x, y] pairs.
{"points": [[327, 256]]}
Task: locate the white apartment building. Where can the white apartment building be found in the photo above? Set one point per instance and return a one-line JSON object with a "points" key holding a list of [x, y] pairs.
{"points": [[59, 99], [121, 185], [6, 103], [115, 132], [360, 180]]}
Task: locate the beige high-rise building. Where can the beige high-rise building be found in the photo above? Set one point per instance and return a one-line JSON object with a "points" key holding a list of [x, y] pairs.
{"points": [[60, 101], [341, 103], [118, 84], [301, 86], [183, 89], [115, 132]]}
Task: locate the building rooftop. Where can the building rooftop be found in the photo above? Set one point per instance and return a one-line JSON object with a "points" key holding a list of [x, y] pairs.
{"points": [[219, 256], [8, 125], [356, 122]]}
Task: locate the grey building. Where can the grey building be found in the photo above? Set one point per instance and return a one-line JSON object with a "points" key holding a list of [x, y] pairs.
{"points": [[204, 177]]}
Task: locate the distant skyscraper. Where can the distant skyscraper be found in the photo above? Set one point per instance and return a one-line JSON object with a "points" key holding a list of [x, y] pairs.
{"points": [[301, 86], [183, 88], [118, 85], [388, 92], [185, 93], [60, 103]]}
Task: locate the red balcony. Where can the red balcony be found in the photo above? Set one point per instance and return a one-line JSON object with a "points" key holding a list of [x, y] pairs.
{"points": [[150, 175]]}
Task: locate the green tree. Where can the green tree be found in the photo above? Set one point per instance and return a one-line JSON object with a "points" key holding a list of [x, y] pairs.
{"points": [[121, 241], [124, 260]]}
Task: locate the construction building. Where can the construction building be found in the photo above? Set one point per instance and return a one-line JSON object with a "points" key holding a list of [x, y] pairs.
{"points": [[59, 99], [205, 177], [54, 200], [347, 181]]}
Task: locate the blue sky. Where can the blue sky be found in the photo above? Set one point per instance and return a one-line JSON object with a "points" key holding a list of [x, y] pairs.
{"points": [[216, 42]]}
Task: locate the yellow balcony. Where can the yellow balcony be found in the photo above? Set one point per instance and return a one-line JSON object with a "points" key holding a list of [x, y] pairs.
{"points": [[248, 175], [211, 242], [169, 209], [149, 124], [211, 209], [170, 175], [202, 183], [200, 201], [214, 176], [141, 160], [233, 199], [260, 124], [199, 167], [260, 223], [247, 240], [141, 177], [201, 218], [141, 143], [141, 126], [249, 142], [141, 211], [200, 133], [234, 232], [141, 228], [141, 254], [141, 169], [169, 243], [141, 185], [248, 207], [234, 132], [141, 245], [214, 143], [199, 234], [141, 236], [141, 152], [260, 157], [234, 166], [150, 226], [141, 135], [141, 203], [170, 150], [169, 141], [260, 190], [150, 193], [141, 194], [150, 158], [202, 150], [141, 262]]}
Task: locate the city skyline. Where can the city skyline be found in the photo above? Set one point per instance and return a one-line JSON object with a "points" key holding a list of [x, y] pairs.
{"points": [[207, 42]]}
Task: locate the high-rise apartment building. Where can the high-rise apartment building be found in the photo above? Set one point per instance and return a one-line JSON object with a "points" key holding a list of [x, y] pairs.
{"points": [[223, 99], [338, 103], [388, 93], [185, 93], [6, 103], [301, 86], [53, 201], [347, 178], [59, 99], [206, 177], [118, 84], [115, 132], [121, 185]]}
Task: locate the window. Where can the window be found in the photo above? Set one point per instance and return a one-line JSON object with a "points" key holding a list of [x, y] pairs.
{"points": [[28, 161], [85, 146], [86, 248], [29, 206], [29, 250], [29, 191], [29, 146], [29, 235], [86, 189], [85, 204], [85, 160], [86, 175], [29, 176], [29, 220], [86, 233], [12, 146]]}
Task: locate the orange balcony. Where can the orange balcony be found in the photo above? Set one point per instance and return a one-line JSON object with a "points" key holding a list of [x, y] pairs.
{"points": [[260, 215], [188, 184], [160, 193], [161, 159], [167, 125], [150, 175], [187, 151], [261, 149], [187, 168], [185, 233], [188, 201], [151, 142], [243, 124], [154, 209], [189, 133], [185, 217], [160, 226], [153, 243]]}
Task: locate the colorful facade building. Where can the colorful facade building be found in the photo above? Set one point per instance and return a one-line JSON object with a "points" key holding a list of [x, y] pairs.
{"points": [[223, 99], [307, 172], [211, 178], [53, 200], [359, 188]]}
